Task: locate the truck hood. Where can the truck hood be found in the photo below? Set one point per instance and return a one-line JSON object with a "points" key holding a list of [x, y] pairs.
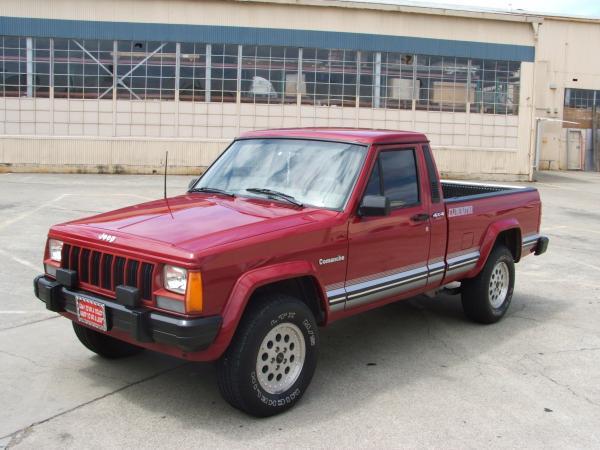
{"points": [[198, 221]]}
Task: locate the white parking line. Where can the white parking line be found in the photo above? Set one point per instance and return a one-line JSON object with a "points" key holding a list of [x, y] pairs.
{"points": [[41, 311], [576, 261], [59, 198], [23, 262], [30, 212]]}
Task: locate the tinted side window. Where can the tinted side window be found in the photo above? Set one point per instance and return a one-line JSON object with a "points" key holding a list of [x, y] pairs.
{"points": [[400, 183], [374, 185]]}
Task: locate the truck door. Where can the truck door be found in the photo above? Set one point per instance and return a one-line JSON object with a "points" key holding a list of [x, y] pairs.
{"points": [[388, 254], [438, 224]]}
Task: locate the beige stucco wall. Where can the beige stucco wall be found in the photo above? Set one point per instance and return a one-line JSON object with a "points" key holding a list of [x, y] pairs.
{"points": [[273, 15], [132, 136], [106, 155], [566, 52], [107, 135]]}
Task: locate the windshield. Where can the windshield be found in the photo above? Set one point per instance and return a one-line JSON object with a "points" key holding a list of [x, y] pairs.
{"points": [[314, 173]]}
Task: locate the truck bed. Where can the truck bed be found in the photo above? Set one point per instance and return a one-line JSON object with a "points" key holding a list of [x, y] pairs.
{"points": [[471, 208], [455, 191]]}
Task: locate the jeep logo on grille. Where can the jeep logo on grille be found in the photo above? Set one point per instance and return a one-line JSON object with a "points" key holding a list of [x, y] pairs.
{"points": [[107, 237]]}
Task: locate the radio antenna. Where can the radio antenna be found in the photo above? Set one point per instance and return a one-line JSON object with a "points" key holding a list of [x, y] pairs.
{"points": [[165, 181]]}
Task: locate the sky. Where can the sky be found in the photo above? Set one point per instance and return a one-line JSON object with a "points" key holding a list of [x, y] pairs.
{"points": [[586, 8]]}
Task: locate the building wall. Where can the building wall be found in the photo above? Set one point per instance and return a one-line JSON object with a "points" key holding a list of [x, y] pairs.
{"points": [[565, 59], [83, 137], [132, 135], [287, 15]]}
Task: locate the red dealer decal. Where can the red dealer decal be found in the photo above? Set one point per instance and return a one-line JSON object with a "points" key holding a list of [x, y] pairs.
{"points": [[91, 313]]}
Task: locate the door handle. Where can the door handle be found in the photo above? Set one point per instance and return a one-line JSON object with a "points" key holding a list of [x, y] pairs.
{"points": [[420, 217]]}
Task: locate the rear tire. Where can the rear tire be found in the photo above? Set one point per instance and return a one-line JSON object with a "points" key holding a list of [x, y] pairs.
{"points": [[272, 357], [486, 297], [104, 345]]}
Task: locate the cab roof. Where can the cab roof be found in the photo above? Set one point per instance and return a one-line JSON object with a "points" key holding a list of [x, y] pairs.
{"points": [[356, 135]]}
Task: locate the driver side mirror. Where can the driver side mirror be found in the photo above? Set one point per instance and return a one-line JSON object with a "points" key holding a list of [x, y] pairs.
{"points": [[192, 183], [374, 205]]}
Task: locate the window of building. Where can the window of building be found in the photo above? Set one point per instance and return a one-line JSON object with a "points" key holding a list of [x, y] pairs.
{"points": [[397, 86], [428, 73], [17, 77], [13, 66], [579, 98], [269, 74], [146, 70], [443, 83], [496, 86], [224, 66], [580, 106], [453, 91], [514, 87], [41, 67], [366, 69], [82, 69], [330, 77], [192, 75], [67, 66], [342, 87], [62, 60]]}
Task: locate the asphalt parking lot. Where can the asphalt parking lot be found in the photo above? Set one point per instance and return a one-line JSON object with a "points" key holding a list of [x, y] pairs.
{"points": [[411, 375]]}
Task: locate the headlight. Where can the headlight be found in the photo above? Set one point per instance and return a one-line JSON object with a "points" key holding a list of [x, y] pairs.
{"points": [[55, 249], [175, 279]]}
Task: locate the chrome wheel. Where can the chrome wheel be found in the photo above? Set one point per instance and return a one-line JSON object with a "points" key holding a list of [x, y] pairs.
{"points": [[280, 358], [499, 282]]}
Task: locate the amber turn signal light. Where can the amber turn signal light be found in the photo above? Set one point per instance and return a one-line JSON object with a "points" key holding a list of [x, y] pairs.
{"points": [[193, 296]]}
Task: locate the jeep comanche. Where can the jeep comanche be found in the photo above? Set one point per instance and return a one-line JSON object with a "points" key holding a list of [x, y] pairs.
{"points": [[288, 230]]}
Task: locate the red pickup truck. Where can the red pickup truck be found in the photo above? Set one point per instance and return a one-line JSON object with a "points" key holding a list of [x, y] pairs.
{"points": [[287, 231]]}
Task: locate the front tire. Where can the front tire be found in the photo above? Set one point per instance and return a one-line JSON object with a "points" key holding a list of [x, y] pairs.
{"points": [[272, 358], [486, 297], [104, 345]]}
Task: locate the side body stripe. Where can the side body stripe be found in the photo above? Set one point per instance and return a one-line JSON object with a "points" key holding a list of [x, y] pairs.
{"points": [[359, 292]]}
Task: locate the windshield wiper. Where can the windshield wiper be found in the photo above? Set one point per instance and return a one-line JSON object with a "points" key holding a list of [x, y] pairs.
{"points": [[277, 194], [212, 190]]}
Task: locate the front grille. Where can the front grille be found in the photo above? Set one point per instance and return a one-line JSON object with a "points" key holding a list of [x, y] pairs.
{"points": [[106, 271]]}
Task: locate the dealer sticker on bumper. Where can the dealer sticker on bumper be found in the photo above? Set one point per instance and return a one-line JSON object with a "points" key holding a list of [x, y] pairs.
{"points": [[92, 313]]}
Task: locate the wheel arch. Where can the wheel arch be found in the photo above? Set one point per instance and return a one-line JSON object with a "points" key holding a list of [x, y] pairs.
{"points": [[507, 232], [297, 278], [511, 238], [303, 287]]}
